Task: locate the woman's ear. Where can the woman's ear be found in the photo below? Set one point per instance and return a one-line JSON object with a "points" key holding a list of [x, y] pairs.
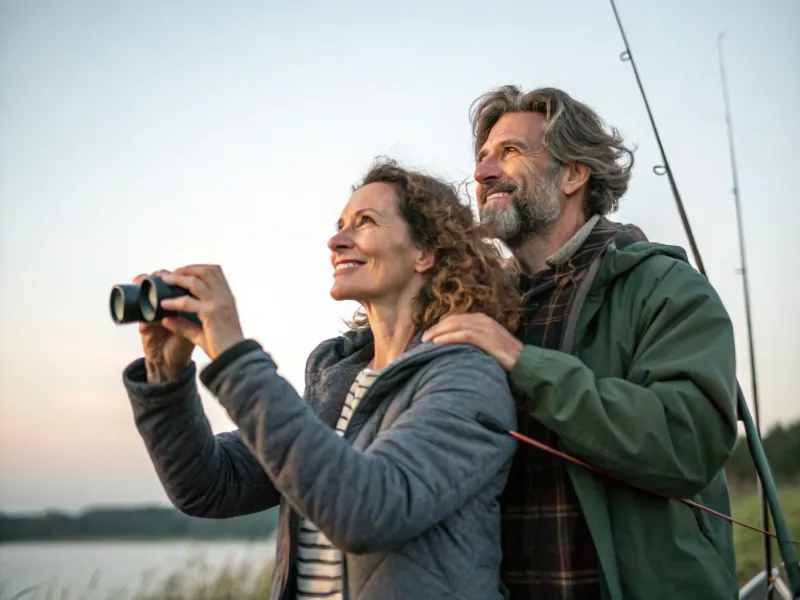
{"points": [[425, 259]]}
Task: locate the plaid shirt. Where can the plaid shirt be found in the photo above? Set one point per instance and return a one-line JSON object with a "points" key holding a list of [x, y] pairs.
{"points": [[547, 548]]}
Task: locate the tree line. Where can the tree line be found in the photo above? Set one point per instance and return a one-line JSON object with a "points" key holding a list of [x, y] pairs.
{"points": [[141, 523], [782, 447]]}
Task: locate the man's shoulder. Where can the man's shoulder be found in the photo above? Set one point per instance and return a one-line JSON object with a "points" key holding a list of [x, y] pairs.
{"points": [[645, 260], [649, 273]]}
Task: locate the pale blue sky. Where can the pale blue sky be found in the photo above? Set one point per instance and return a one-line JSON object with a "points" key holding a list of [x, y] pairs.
{"points": [[141, 135]]}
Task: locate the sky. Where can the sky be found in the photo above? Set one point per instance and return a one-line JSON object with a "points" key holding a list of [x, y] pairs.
{"points": [[147, 135]]}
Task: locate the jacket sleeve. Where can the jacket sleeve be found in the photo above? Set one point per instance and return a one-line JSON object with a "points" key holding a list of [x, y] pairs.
{"points": [[670, 424], [204, 475], [426, 465]]}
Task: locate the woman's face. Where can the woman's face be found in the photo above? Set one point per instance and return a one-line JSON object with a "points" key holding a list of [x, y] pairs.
{"points": [[374, 260]]}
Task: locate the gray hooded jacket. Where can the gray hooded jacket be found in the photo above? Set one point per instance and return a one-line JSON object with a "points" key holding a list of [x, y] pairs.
{"points": [[409, 493]]}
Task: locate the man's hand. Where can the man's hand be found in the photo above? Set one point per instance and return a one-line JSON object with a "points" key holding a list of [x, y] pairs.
{"points": [[482, 332]]}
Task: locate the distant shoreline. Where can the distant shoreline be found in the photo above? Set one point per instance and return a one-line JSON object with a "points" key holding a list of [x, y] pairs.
{"points": [[141, 524], [78, 512], [135, 540]]}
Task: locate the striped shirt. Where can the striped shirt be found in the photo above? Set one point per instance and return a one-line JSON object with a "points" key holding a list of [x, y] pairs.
{"points": [[319, 564]]}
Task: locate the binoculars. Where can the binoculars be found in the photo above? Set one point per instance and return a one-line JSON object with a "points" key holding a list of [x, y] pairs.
{"points": [[131, 303]]}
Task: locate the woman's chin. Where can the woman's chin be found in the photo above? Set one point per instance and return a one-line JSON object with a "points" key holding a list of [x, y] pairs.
{"points": [[339, 293]]}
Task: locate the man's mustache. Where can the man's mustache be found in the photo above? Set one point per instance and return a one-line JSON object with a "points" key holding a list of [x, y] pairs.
{"points": [[493, 187]]}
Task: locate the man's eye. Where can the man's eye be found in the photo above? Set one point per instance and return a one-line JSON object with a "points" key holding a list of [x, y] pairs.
{"points": [[509, 150]]}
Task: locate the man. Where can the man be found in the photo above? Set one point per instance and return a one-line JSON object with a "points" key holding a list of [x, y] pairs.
{"points": [[625, 360]]}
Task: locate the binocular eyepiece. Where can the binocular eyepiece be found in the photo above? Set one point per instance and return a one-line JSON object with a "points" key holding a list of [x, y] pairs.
{"points": [[131, 303]]}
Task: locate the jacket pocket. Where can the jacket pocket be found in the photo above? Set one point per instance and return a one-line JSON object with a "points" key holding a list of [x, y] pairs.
{"points": [[703, 527]]}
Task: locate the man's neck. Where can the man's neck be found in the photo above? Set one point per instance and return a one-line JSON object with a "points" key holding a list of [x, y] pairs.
{"points": [[533, 254]]}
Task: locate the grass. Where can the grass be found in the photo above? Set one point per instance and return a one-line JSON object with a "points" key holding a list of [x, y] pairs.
{"points": [[197, 580], [201, 581], [746, 507]]}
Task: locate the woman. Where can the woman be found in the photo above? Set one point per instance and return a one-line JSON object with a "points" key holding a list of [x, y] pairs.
{"points": [[387, 483]]}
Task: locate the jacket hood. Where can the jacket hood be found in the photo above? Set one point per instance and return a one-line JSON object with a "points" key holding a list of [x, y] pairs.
{"points": [[358, 345], [350, 352], [619, 261]]}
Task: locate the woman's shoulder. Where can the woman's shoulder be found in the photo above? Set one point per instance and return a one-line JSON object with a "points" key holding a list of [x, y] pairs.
{"points": [[463, 363], [462, 379]]}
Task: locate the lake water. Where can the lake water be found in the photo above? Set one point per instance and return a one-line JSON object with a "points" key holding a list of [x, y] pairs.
{"points": [[107, 566]]}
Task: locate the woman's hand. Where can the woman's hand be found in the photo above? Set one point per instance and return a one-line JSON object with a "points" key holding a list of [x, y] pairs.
{"points": [[212, 301], [165, 353]]}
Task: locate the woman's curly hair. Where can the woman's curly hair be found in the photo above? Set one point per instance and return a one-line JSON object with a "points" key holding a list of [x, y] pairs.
{"points": [[468, 274]]}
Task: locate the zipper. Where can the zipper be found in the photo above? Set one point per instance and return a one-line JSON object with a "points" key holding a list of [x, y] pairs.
{"points": [[389, 370], [288, 549], [287, 553], [380, 379], [346, 435], [345, 587]]}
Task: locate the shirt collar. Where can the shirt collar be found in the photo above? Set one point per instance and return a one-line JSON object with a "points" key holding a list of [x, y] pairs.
{"points": [[568, 250]]}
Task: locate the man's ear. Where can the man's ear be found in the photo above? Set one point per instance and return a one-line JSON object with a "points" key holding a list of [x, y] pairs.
{"points": [[574, 176]]}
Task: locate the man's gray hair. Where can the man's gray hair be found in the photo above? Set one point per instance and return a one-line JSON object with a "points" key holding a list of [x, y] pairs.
{"points": [[572, 133]]}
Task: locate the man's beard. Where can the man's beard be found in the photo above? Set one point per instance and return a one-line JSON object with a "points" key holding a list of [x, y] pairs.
{"points": [[530, 212]]}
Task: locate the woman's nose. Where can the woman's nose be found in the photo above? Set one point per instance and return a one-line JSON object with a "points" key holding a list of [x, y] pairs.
{"points": [[340, 240]]}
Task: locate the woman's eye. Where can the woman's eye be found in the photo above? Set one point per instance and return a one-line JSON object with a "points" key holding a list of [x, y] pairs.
{"points": [[365, 219]]}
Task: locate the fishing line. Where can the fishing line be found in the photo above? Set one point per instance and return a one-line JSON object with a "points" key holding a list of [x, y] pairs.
{"points": [[493, 425]]}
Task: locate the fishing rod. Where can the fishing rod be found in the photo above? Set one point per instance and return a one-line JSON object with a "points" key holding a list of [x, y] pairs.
{"points": [[663, 169], [767, 490], [493, 424], [745, 286]]}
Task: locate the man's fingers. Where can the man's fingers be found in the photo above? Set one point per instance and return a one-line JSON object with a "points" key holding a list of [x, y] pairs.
{"points": [[446, 325], [454, 337], [468, 322], [139, 278]]}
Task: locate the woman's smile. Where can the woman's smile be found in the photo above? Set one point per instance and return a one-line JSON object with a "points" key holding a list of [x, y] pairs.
{"points": [[343, 266]]}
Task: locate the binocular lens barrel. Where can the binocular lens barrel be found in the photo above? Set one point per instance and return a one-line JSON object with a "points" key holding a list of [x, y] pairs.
{"points": [[125, 304], [131, 303]]}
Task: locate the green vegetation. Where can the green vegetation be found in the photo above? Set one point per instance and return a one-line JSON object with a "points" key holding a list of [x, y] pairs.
{"points": [[134, 524], [198, 580], [747, 508], [782, 447]]}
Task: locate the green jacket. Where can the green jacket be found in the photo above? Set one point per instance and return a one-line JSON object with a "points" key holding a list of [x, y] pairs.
{"points": [[646, 392]]}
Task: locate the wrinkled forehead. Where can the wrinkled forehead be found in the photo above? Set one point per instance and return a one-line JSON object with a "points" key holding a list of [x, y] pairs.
{"points": [[523, 129]]}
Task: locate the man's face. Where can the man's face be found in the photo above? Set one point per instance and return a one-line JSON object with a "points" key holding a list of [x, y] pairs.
{"points": [[518, 195]]}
